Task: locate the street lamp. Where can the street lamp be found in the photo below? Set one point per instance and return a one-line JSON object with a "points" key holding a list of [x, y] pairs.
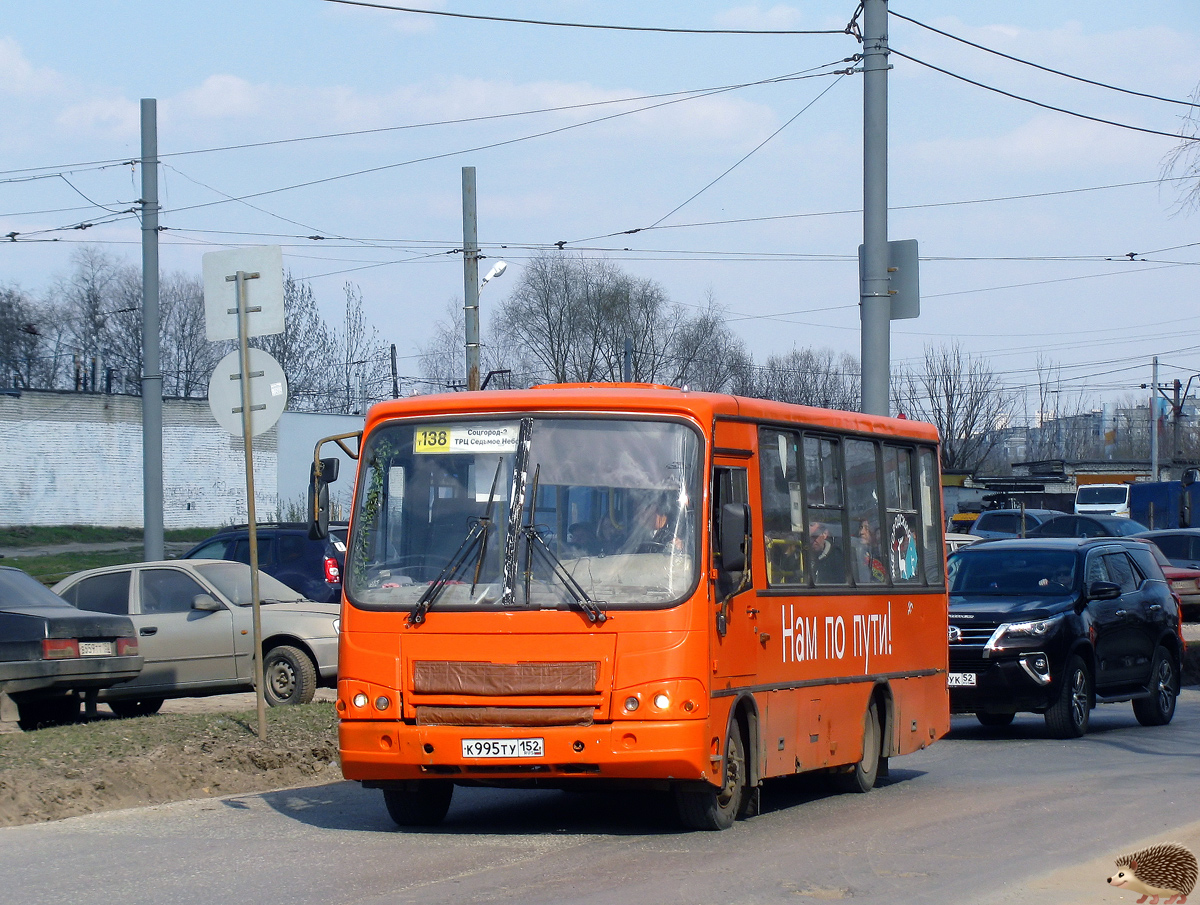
{"points": [[472, 323], [497, 270]]}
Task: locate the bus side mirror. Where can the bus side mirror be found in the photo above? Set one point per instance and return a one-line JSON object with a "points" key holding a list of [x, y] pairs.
{"points": [[319, 479], [735, 536], [1190, 477]]}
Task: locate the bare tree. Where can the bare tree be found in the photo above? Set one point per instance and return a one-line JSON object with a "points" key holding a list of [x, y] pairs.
{"points": [[1183, 161], [24, 361], [962, 396], [570, 317], [818, 377], [363, 359], [188, 358], [443, 357], [85, 298], [305, 349]]}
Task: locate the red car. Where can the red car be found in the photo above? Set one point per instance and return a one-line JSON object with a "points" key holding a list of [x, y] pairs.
{"points": [[1184, 582]]}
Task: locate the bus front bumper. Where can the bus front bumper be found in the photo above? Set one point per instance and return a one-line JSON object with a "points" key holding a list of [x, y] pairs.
{"points": [[389, 750]]}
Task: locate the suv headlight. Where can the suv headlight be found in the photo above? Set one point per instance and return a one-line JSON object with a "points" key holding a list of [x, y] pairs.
{"points": [[1020, 634]]}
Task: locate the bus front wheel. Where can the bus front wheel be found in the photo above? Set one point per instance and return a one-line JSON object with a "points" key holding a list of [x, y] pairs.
{"points": [[423, 803], [706, 807]]}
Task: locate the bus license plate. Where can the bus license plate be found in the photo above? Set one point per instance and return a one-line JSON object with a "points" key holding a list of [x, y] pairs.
{"points": [[95, 648], [961, 680], [503, 747]]}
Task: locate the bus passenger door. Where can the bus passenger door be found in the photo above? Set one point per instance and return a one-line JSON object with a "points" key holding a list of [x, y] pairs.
{"points": [[735, 626]]}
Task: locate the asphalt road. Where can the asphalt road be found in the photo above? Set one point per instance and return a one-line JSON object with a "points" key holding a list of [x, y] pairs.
{"points": [[982, 816]]}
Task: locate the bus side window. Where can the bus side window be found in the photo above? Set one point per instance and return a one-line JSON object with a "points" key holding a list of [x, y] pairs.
{"points": [[730, 485], [903, 533], [823, 500], [784, 531]]}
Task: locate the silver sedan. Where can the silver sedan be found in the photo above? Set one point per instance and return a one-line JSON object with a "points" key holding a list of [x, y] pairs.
{"points": [[194, 622]]}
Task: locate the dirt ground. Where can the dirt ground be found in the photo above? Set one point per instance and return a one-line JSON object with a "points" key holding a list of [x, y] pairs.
{"points": [[193, 748]]}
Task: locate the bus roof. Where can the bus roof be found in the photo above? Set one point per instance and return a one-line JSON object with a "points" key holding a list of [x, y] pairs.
{"points": [[640, 398]]}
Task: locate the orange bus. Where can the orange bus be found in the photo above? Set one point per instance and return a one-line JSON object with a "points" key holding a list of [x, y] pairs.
{"points": [[581, 584]]}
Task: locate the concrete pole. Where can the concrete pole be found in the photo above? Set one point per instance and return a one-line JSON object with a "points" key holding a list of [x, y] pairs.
{"points": [[152, 459], [471, 276], [1153, 418], [875, 305]]}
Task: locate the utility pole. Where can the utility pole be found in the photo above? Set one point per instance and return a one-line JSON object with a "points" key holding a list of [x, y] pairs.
{"points": [[1152, 415], [874, 300], [152, 459], [471, 275]]}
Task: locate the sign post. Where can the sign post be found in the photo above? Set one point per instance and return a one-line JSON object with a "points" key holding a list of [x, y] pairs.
{"points": [[257, 410]]}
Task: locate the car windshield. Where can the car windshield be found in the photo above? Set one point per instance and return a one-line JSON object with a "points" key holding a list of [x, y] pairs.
{"points": [[232, 579], [1101, 496], [544, 512], [1024, 572]]}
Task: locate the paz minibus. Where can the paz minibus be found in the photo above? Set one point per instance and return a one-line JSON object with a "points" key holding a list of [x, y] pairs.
{"points": [[580, 585]]}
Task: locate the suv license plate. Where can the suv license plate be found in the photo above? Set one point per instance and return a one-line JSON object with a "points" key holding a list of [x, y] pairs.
{"points": [[503, 747], [961, 680], [95, 648]]}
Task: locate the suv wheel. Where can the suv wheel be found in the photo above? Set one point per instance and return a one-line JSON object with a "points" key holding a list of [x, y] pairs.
{"points": [[1159, 707], [1068, 715]]}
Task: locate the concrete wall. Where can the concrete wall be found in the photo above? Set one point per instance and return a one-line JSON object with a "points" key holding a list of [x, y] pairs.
{"points": [[76, 458]]}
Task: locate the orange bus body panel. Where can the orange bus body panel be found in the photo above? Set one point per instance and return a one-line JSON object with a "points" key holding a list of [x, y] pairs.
{"points": [[800, 667]]}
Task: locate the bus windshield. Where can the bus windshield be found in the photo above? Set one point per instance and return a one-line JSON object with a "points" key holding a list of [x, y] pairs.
{"points": [[517, 512]]}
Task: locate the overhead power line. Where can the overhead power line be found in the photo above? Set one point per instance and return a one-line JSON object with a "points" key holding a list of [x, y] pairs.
{"points": [[591, 25], [68, 168], [1067, 75], [1027, 100], [461, 151]]}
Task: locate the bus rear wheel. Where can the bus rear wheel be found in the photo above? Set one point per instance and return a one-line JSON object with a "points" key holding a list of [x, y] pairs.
{"points": [[861, 777], [703, 806], [423, 803]]}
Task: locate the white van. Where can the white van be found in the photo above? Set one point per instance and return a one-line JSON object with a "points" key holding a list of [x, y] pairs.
{"points": [[1102, 499]]}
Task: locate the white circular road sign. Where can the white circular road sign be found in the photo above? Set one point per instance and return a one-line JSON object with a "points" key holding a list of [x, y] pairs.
{"points": [[268, 392]]}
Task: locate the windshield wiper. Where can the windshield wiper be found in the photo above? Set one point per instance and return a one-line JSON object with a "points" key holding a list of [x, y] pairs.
{"points": [[534, 542], [476, 539]]}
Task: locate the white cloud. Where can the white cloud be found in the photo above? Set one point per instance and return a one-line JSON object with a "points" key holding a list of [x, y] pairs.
{"points": [[18, 77], [1046, 141], [109, 117], [779, 16]]}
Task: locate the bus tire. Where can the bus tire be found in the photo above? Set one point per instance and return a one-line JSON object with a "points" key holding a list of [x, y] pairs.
{"points": [[861, 777], [703, 806], [424, 803]]}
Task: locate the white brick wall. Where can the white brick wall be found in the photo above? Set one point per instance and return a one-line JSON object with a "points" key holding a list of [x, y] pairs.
{"points": [[76, 458]]}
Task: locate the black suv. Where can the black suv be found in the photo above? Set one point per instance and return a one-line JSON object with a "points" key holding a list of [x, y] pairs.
{"points": [[1057, 625], [311, 567]]}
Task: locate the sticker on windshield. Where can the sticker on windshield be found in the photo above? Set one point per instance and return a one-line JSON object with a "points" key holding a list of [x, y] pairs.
{"points": [[466, 438]]}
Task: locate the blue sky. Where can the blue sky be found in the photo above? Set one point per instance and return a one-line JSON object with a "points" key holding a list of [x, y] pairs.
{"points": [[1009, 279]]}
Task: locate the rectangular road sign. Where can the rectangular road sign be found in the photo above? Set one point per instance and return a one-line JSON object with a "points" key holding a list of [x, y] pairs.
{"points": [[264, 295]]}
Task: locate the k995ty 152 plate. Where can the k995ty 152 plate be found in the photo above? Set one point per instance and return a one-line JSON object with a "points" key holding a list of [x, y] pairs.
{"points": [[95, 648], [503, 747]]}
